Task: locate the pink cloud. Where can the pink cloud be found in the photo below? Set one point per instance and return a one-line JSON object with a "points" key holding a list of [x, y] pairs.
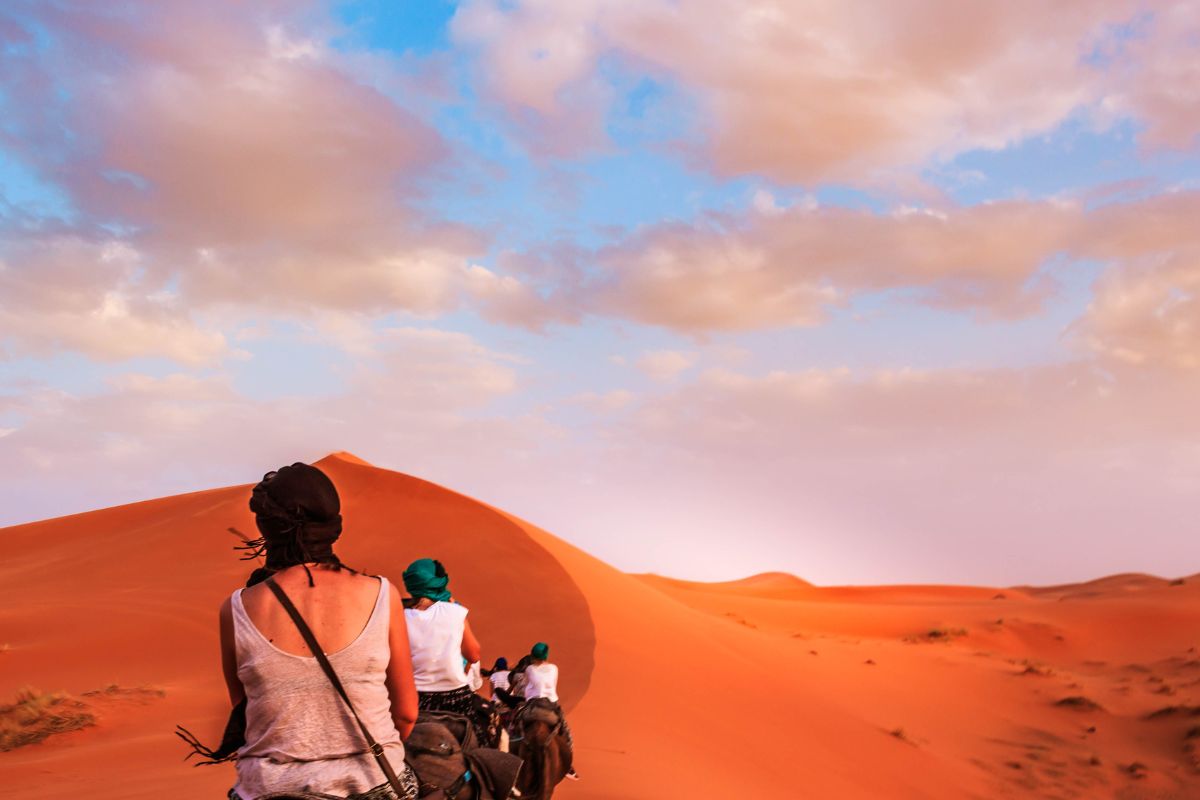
{"points": [[244, 161], [665, 365], [1145, 308], [65, 293], [1147, 315], [819, 91], [1157, 76], [421, 396], [544, 75], [786, 267]]}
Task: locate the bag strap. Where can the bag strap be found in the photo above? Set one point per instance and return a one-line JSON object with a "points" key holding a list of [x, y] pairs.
{"points": [[311, 641]]}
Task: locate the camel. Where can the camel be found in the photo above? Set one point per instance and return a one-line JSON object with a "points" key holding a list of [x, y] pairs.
{"points": [[539, 742]]}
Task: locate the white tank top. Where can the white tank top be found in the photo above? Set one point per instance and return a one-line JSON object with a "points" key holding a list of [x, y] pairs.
{"points": [[299, 734], [435, 637]]}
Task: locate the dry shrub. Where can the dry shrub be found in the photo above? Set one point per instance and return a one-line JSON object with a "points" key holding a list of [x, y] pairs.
{"points": [[37, 715]]}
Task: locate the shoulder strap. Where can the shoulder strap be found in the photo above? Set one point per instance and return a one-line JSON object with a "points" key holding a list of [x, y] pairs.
{"points": [[311, 641]]}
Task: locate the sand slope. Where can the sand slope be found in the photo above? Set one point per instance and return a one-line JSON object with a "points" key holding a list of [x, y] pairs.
{"points": [[763, 687]]}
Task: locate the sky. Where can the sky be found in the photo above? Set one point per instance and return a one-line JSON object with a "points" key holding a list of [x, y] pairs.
{"points": [[882, 292]]}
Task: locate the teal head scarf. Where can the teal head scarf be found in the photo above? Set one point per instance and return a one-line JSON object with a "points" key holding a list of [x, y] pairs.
{"points": [[426, 577], [540, 651]]}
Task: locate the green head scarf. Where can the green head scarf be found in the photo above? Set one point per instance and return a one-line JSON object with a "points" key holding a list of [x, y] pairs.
{"points": [[540, 651], [426, 577]]}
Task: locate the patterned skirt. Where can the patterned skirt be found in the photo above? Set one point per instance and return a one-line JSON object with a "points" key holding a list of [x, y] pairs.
{"points": [[482, 714]]}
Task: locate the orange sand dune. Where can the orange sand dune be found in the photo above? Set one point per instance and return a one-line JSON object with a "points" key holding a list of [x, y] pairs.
{"points": [[763, 687]]}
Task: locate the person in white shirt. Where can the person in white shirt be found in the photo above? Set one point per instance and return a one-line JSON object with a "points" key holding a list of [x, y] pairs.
{"points": [[498, 674], [541, 681], [498, 677], [441, 642], [541, 677]]}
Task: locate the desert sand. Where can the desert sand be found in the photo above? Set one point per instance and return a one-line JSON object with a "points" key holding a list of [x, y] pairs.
{"points": [[765, 687]]}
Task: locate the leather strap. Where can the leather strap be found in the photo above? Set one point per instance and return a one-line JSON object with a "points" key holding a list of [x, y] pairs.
{"points": [[302, 626]]}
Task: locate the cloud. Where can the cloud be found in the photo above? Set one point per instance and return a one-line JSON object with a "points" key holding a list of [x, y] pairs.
{"points": [[603, 402], [1145, 308], [508, 300], [1148, 316], [66, 293], [665, 365], [431, 371], [816, 91], [548, 47], [1157, 77], [424, 399], [247, 163], [739, 272], [998, 260]]}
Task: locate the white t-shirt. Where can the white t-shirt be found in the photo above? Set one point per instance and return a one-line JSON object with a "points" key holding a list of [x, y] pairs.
{"points": [[435, 637], [499, 679], [541, 680]]}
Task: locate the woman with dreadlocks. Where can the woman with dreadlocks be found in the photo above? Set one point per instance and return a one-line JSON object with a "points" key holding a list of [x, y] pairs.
{"points": [[290, 732]]}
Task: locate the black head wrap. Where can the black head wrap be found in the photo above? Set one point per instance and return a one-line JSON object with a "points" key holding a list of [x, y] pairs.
{"points": [[298, 513]]}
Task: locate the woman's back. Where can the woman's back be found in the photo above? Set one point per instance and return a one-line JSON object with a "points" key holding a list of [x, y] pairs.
{"points": [[336, 608], [299, 734]]}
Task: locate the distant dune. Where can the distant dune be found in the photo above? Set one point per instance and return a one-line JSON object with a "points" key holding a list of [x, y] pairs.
{"points": [[768, 686]]}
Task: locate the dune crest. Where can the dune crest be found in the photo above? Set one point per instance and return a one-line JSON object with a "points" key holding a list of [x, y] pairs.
{"points": [[342, 455], [766, 685]]}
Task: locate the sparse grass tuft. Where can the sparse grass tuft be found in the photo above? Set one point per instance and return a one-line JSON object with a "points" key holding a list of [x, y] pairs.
{"points": [[114, 690], [1078, 703], [1035, 670], [937, 635], [37, 715], [1175, 711]]}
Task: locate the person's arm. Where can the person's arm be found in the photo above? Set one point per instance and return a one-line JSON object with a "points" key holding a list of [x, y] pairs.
{"points": [[237, 692], [401, 689], [471, 650]]}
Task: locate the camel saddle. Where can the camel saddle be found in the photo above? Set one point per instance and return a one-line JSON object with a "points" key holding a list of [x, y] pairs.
{"points": [[540, 709], [444, 753]]}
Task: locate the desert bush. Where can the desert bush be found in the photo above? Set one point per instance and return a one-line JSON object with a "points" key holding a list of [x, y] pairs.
{"points": [[37, 715]]}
